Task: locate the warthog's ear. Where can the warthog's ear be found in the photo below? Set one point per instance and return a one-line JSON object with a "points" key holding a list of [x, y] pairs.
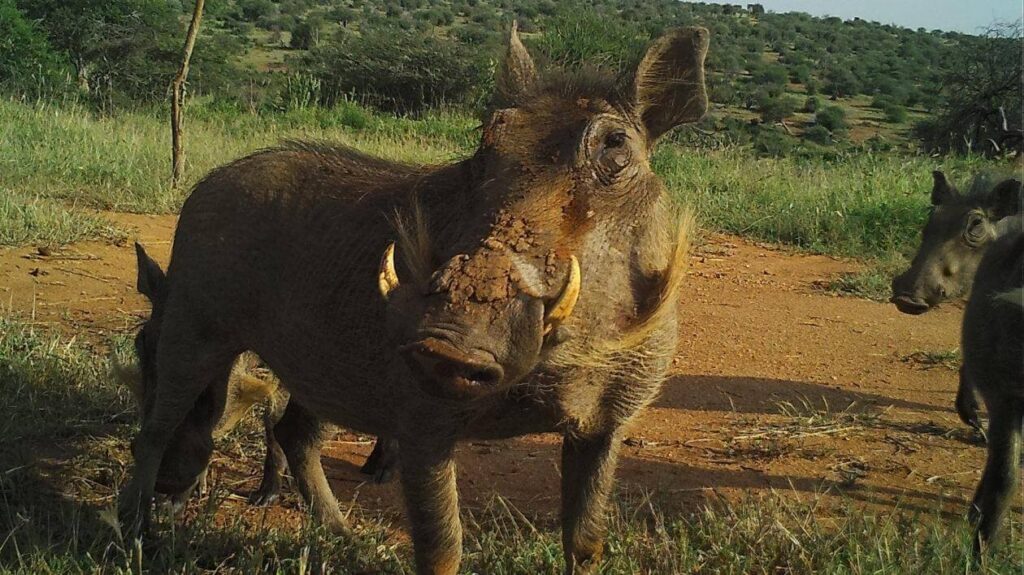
{"points": [[151, 279], [669, 86], [1007, 199], [942, 190], [518, 75]]}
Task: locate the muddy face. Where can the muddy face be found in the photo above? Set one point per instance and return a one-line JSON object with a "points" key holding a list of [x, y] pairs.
{"points": [[954, 239], [484, 282]]}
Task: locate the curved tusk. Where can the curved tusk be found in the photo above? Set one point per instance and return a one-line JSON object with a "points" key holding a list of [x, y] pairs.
{"points": [[563, 306], [387, 277]]}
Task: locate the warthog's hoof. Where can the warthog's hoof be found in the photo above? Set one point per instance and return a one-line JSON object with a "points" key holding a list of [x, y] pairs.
{"points": [[133, 510], [267, 494], [382, 461]]}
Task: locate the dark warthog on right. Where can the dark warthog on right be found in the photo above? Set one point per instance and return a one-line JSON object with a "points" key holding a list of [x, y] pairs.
{"points": [[531, 287], [993, 351], [960, 229]]}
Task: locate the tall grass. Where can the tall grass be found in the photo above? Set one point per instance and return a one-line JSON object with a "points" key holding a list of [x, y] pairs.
{"points": [[122, 162]]}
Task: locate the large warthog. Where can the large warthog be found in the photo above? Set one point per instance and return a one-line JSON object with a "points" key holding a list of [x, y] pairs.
{"points": [[993, 353], [959, 231], [529, 288]]}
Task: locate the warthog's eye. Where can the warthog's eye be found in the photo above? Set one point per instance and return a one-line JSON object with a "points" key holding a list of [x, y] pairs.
{"points": [[975, 231], [614, 155]]}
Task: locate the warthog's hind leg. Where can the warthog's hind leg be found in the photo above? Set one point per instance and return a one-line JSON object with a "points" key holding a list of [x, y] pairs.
{"points": [[300, 435], [588, 471], [382, 461], [999, 481], [274, 461]]}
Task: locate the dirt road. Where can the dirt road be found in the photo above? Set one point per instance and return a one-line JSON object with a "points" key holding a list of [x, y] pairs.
{"points": [[778, 385]]}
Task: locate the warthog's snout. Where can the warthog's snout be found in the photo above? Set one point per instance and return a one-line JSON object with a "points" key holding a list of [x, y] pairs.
{"points": [[910, 305], [448, 372]]}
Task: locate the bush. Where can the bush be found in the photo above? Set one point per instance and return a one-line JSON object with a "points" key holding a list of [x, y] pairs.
{"points": [[400, 70], [772, 143], [819, 135], [811, 104], [895, 114], [777, 109], [28, 65], [585, 38], [832, 118]]}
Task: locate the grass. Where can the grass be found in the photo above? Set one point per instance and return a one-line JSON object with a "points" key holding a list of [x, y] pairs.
{"points": [[42, 221], [60, 156], [64, 449]]}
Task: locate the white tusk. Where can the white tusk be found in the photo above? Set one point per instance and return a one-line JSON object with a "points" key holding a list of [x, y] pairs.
{"points": [[563, 306], [387, 278]]}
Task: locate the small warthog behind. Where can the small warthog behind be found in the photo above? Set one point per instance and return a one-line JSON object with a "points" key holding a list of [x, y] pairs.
{"points": [[993, 352], [531, 287], [250, 383], [960, 229]]}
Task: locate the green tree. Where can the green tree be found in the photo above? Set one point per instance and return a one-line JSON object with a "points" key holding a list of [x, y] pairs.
{"points": [[28, 65]]}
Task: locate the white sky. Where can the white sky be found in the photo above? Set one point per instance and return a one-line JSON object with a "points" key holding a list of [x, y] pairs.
{"points": [[969, 16]]}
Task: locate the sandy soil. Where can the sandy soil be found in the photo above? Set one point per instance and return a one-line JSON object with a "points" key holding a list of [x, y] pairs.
{"points": [[778, 386]]}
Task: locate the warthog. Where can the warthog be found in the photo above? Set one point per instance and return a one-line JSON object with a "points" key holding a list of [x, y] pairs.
{"points": [[249, 383], [959, 230], [529, 288], [993, 352]]}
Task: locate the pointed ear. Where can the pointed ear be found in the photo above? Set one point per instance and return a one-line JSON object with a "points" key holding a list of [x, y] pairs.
{"points": [[1008, 199], [669, 86], [518, 74], [151, 279], [942, 190]]}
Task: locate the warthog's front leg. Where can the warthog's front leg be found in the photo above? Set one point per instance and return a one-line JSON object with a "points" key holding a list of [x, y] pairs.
{"points": [[588, 471], [431, 500], [300, 435], [188, 365], [966, 402], [999, 481]]}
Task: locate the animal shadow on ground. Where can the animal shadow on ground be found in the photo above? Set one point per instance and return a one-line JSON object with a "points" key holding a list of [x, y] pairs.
{"points": [[762, 395]]}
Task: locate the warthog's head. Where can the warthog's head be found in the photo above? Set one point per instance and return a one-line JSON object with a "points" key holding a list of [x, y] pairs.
{"points": [[551, 221], [188, 455], [959, 229]]}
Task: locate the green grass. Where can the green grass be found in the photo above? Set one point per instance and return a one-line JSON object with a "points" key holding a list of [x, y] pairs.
{"points": [[42, 221], [64, 450], [860, 204]]}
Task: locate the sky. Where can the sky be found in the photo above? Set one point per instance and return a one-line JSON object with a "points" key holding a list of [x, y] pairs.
{"points": [[968, 16]]}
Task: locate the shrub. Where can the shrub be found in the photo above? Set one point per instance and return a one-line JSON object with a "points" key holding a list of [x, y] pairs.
{"points": [[895, 114], [28, 65], [832, 118], [811, 104], [777, 109], [818, 134], [772, 143], [400, 70], [589, 39]]}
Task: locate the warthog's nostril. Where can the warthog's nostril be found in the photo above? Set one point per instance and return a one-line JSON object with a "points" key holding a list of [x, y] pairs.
{"points": [[451, 371]]}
